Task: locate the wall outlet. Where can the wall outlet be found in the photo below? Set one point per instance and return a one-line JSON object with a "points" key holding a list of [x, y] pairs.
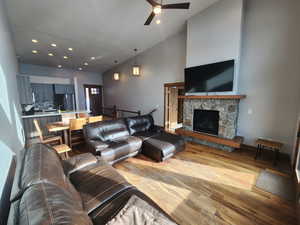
{"points": [[250, 111]]}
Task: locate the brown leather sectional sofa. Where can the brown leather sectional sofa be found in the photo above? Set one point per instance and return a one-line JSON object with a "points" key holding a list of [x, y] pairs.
{"points": [[117, 140], [82, 190]]}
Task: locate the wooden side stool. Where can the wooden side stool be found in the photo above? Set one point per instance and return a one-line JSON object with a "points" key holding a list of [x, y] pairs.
{"points": [[62, 149], [263, 144]]}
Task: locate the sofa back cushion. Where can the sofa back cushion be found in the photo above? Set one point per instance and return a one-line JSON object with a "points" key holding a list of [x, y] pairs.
{"points": [[106, 130], [47, 203], [140, 123], [39, 164]]}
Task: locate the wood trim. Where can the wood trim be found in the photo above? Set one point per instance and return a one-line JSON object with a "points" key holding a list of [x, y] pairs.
{"points": [[176, 84], [213, 97], [235, 143], [5, 195], [297, 148]]}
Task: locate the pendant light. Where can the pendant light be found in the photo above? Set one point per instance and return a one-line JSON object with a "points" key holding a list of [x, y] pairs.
{"points": [[116, 74], [136, 69]]}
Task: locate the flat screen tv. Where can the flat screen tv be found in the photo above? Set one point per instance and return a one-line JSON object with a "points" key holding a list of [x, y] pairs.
{"points": [[216, 77]]}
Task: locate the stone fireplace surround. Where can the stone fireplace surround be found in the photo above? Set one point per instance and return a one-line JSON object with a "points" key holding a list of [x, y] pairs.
{"points": [[228, 117]]}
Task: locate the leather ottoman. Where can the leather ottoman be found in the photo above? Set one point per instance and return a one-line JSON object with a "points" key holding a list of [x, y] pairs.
{"points": [[163, 146]]}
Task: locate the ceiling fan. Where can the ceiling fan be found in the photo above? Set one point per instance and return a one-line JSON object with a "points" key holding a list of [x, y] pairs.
{"points": [[158, 7]]}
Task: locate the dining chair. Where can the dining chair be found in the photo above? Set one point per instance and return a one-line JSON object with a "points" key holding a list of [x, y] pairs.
{"points": [[48, 139], [94, 119], [66, 117], [76, 132], [82, 115]]}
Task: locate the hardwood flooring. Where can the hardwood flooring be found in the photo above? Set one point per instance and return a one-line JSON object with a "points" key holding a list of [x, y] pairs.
{"points": [[207, 186]]}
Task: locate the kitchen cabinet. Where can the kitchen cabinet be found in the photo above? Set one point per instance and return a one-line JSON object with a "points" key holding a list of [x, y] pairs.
{"points": [[64, 89], [24, 89], [43, 93]]}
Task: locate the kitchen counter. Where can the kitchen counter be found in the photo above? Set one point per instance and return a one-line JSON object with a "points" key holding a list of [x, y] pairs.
{"points": [[49, 114]]}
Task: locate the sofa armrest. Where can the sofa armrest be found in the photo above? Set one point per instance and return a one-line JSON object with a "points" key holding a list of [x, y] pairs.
{"points": [[96, 146], [158, 129], [78, 162]]}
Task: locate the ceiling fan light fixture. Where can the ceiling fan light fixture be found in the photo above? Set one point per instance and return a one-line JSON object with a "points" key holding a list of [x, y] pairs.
{"points": [[157, 9]]}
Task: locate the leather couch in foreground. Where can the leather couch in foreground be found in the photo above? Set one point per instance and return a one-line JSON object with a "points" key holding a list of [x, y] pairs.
{"points": [[82, 190], [116, 140]]}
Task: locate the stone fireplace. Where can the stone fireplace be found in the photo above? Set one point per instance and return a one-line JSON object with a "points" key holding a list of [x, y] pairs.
{"points": [[206, 121], [211, 116]]}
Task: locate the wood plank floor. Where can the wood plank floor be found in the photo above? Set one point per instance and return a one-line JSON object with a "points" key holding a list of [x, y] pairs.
{"points": [[207, 186]]}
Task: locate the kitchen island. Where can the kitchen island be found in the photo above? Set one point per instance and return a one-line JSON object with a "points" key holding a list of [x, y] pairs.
{"points": [[45, 118]]}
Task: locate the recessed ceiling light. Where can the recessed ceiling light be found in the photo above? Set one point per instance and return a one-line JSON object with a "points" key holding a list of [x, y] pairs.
{"points": [[34, 41], [86, 64], [50, 54], [158, 21], [34, 51], [66, 57], [93, 58], [70, 49], [53, 45], [79, 68], [59, 66]]}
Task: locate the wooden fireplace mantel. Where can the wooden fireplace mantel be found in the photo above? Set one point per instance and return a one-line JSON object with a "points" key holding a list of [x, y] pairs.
{"points": [[212, 97], [234, 143]]}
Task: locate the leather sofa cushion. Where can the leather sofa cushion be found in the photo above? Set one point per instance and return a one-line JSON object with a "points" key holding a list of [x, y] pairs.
{"points": [[40, 164], [145, 135], [106, 130], [46, 203], [163, 146], [106, 212], [140, 123], [78, 162], [121, 147], [98, 183]]}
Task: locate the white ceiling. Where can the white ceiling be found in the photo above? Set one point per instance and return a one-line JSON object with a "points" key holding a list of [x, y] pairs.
{"points": [[106, 29]]}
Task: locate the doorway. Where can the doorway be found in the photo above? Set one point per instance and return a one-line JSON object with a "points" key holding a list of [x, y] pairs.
{"points": [[94, 99], [173, 106]]}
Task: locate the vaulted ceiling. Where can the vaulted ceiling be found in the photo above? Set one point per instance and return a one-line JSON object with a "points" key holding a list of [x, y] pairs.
{"points": [[108, 30]]}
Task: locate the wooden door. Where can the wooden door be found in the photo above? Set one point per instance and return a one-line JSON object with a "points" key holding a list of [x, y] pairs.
{"points": [[93, 98], [173, 106]]}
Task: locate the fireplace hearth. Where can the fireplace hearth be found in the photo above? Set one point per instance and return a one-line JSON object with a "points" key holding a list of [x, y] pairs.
{"points": [[206, 121]]}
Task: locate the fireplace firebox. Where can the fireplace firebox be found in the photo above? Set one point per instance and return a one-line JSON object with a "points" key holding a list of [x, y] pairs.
{"points": [[206, 121]]}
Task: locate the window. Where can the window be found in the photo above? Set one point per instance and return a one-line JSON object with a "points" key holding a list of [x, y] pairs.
{"points": [[95, 91]]}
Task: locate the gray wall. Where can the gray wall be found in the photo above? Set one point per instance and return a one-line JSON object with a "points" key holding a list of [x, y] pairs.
{"points": [[270, 70], [82, 77], [163, 63], [214, 35], [11, 139]]}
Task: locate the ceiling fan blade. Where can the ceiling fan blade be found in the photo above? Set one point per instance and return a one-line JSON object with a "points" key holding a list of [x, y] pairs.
{"points": [[177, 6], [150, 18], [152, 2]]}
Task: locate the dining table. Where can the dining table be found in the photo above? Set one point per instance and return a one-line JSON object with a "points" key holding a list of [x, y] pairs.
{"points": [[60, 126]]}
